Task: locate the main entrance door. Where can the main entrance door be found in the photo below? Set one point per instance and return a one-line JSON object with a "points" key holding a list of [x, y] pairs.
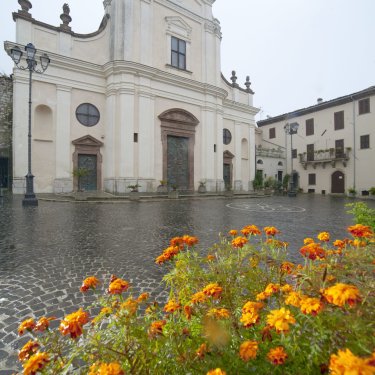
{"points": [[338, 182], [227, 176], [89, 164], [178, 162]]}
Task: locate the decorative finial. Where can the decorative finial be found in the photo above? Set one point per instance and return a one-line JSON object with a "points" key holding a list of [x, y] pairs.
{"points": [[65, 18], [234, 79], [247, 84], [25, 5]]}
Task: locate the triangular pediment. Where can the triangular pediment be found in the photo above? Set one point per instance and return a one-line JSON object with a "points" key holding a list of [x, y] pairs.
{"points": [[227, 155], [87, 140], [179, 115], [178, 26]]}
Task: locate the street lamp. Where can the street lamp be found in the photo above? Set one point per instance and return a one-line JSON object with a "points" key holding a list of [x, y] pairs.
{"points": [[291, 129], [16, 55]]}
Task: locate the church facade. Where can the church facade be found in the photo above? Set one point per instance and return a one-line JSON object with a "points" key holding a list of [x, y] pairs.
{"points": [[139, 101]]}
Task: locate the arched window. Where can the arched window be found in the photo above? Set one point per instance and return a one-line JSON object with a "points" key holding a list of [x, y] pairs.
{"points": [[260, 161], [280, 163]]}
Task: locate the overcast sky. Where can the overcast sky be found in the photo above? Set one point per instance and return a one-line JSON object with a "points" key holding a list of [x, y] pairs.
{"points": [[295, 51]]}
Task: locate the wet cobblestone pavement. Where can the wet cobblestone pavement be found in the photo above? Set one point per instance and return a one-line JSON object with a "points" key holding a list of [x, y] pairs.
{"points": [[46, 251]]}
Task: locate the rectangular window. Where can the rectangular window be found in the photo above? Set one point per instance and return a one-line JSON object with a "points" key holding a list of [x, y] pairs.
{"points": [[339, 148], [214, 147], [178, 53], [364, 106], [294, 153], [310, 126], [135, 137], [312, 178], [310, 152], [365, 141], [272, 133], [339, 120]]}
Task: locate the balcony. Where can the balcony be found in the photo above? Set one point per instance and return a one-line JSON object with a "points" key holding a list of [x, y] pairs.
{"points": [[270, 152], [324, 157]]}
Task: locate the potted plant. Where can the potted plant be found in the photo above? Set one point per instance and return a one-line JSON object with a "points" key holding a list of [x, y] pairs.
{"points": [[134, 188], [202, 186], [79, 173], [352, 192], [174, 192], [163, 187]]}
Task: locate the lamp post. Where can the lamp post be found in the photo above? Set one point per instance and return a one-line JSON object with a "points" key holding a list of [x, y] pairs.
{"points": [[291, 129], [31, 66]]}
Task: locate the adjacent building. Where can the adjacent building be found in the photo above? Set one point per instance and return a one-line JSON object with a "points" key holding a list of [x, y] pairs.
{"points": [[140, 100], [333, 150]]}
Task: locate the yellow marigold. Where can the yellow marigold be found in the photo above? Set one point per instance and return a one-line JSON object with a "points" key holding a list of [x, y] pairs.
{"points": [[213, 290], [26, 325], [89, 282], [339, 243], [311, 306], [272, 288], [345, 362], [294, 299], [251, 230], [287, 288], [287, 267], [143, 297], [106, 369], [239, 242], [190, 240], [156, 328], [219, 313], [248, 350], [43, 323], [73, 323], [308, 240], [312, 251], [30, 348], [323, 236], [360, 230], [358, 243], [277, 356], [341, 294], [35, 363], [130, 305], [271, 231], [201, 351], [117, 286], [171, 306], [250, 318], [262, 296], [198, 297], [280, 319], [216, 371], [251, 306], [232, 232]]}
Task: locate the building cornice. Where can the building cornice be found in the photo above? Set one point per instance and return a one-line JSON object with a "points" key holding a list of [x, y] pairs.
{"points": [[319, 107]]}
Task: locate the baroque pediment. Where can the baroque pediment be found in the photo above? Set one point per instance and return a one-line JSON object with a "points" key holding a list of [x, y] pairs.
{"points": [[178, 26], [87, 140], [180, 116]]}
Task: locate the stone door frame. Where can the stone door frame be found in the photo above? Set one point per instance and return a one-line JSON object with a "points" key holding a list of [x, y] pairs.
{"points": [[228, 159], [88, 145], [177, 122], [335, 182]]}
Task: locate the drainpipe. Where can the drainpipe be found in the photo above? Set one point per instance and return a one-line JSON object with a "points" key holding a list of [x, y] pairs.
{"points": [[354, 145]]}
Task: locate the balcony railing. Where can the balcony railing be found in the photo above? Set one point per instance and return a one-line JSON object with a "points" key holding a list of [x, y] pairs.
{"points": [[270, 152], [324, 157]]}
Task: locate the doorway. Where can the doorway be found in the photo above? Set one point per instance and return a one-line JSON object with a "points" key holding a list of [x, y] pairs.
{"points": [[89, 164], [178, 162], [338, 183]]}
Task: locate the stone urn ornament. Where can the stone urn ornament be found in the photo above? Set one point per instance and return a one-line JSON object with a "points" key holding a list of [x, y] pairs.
{"points": [[25, 5]]}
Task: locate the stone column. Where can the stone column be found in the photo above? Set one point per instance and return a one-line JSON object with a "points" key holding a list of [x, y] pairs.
{"points": [[251, 156], [219, 151], [237, 147], [207, 159]]}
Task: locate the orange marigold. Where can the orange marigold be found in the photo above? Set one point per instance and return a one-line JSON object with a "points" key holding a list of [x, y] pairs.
{"points": [[201, 351], [190, 240], [35, 363], [271, 231], [276, 243], [89, 282], [250, 313], [339, 243], [233, 232], [287, 288], [251, 306], [219, 313], [130, 306], [73, 323], [345, 362], [198, 297], [216, 371], [188, 311], [118, 286], [106, 369], [169, 253], [210, 257], [294, 299], [239, 241], [213, 290], [143, 297], [171, 306], [360, 230], [280, 319], [251, 230], [323, 236], [341, 294], [248, 350], [277, 356], [43, 324], [156, 328], [312, 306], [272, 288], [26, 325], [312, 251], [176, 241], [30, 348]]}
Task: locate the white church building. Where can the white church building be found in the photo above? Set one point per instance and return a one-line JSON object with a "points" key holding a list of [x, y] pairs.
{"points": [[140, 100]]}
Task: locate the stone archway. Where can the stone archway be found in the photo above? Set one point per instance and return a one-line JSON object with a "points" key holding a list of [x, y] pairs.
{"points": [[338, 182], [87, 155], [178, 139]]}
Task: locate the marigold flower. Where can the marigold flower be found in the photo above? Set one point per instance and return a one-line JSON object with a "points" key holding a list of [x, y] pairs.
{"points": [[287, 288], [118, 286], [106, 369], [280, 319], [312, 251], [218, 313], [143, 297], [276, 243], [213, 290], [190, 240], [248, 350], [233, 232], [217, 371], [26, 325], [345, 362], [130, 305], [198, 297], [271, 231], [341, 294], [251, 230], [251, 306], [73, 323], [360, 230], [262, 296], [156, 328], [323, 236], [176, 241], [272, 288], [201, 351], [89, 282], [311, 306], [35, 363], [294, 299], [339, 243], [43, 324], [358, 243], [308, 240], [210, 257], [277, 356], [188, 311], [239, 242], [171, 306], [169, 253], [28, 350], [250, 313]]}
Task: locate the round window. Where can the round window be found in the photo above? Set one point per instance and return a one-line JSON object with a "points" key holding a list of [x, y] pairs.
{"points": [[227, 136], [87, 114]]}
